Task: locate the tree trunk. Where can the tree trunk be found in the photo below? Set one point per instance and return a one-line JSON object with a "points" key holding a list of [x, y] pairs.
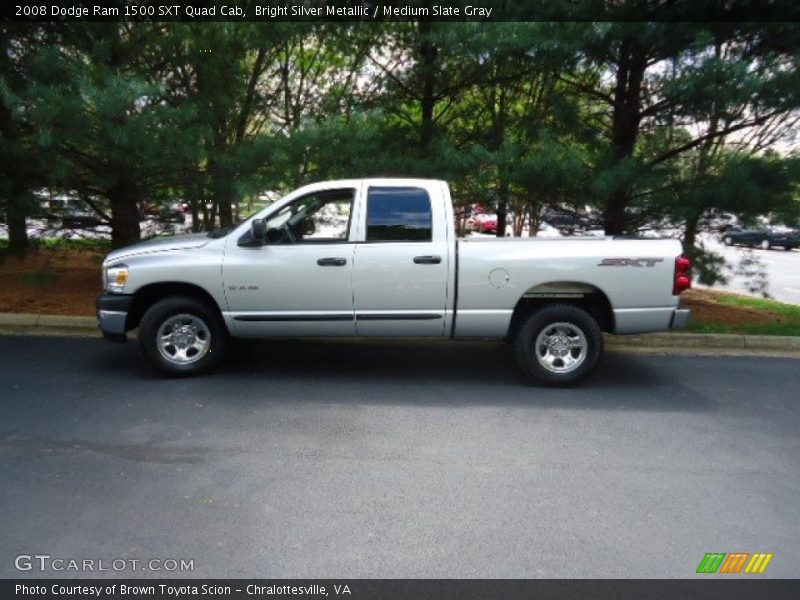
{"points": [[195, 215], [223, 192], [17, 202], [502, 209], [224, 200], [624, 130], [428, 52], [197, 204], [535, 221], [206, 217], [17, 228], [690, 233], [615, 221], [124, 215]]}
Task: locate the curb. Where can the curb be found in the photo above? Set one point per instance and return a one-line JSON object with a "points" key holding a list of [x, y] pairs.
{"points": [[31, 324], [694, 341]]}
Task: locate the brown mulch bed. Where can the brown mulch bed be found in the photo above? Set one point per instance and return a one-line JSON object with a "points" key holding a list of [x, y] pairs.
{"points": [[52, 282], [706, 310]]}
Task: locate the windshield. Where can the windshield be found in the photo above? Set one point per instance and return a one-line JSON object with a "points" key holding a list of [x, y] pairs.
{"points": [[220, 232]]}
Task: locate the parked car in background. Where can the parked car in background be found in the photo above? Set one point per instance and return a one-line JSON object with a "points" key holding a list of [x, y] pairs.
{"points": [[561, 219], [718, 222], [570, 222], [76, 217], [172, 212], [169, 211], [762, 238], [484, 223]]}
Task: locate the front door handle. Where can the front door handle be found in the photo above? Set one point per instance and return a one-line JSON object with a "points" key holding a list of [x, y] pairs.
{"points": [[427, 260], [332, 262]]}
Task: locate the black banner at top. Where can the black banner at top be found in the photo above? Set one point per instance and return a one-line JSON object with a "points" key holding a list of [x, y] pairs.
{"points": [[392, 10]]}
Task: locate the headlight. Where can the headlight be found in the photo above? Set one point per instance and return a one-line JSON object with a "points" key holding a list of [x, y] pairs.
{"points": [[116, 276]]}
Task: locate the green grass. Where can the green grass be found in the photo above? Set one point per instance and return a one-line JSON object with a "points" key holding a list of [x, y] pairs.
{"points": [[56, 243], [791, 311], [747, 328]]}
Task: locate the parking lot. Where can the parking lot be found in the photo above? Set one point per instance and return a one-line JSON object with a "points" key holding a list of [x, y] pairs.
{"points": [[782, 267], [315, 459]]}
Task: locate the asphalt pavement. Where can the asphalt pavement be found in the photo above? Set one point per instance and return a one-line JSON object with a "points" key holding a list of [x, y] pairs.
{"points": [[347, 459]]}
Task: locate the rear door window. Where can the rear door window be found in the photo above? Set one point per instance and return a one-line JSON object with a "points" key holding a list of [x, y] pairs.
{"points": [[398, 214]]}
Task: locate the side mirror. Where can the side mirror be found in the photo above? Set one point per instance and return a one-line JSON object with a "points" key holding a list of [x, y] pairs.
{"points": [[258, 230], [256, 237]]}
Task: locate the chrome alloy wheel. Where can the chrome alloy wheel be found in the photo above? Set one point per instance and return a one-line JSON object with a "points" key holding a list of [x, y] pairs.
{"points": [[183, 339], [561, 347]]}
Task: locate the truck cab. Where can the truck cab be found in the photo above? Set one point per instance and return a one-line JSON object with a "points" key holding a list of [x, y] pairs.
{"points": [[350, 258]]}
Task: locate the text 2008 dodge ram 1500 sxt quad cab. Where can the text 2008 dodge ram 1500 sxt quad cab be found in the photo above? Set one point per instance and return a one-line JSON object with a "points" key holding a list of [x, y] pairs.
{"points": [[380, 258]]}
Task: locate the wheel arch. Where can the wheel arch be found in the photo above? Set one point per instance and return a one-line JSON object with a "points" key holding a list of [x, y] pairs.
{"points": [[583, 295], [149, 294]]}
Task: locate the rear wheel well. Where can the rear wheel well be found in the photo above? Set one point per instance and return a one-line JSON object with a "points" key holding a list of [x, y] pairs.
{"points": [[150, 294], [590, 299]]}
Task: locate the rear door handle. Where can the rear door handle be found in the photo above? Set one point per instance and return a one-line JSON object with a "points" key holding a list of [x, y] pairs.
{"points": [[332, 262], [427, 260]]}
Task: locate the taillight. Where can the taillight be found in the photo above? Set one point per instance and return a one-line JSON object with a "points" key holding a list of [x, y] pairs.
{"points": [[682, 280]]}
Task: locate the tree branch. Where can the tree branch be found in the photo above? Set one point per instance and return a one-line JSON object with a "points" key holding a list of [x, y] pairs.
{"points": [[697, 141]]}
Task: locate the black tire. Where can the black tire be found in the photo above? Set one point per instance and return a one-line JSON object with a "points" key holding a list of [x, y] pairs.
{"points": [[765, 245], [728, 240], [204, 328], [565, 320]]}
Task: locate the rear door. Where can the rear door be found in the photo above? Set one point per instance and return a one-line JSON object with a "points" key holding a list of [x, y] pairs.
{"points": [[400, 267]]}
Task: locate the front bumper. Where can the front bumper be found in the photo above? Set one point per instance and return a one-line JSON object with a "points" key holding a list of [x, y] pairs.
{"points": [[112, 315], [680, 318]]}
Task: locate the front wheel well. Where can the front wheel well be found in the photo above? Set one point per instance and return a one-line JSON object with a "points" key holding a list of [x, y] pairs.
{"points": [[593, 301], [148, 295]]}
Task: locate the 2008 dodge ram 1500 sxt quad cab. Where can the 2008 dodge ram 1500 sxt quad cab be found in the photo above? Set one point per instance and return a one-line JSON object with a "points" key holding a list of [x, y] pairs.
{"points": [[380, 258]]}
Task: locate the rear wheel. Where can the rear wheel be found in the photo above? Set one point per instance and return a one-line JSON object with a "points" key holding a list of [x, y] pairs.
{"points": [[182, 336], [728, 240], [765, 245], [558, 344]]}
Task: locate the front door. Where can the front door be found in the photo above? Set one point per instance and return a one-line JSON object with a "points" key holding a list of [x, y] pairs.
{"points": [[301, 282]]}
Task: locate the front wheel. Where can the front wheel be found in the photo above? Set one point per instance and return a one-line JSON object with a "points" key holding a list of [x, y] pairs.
{"points": [[182, 336], [765, 245], [558, 344], [728, 241]]}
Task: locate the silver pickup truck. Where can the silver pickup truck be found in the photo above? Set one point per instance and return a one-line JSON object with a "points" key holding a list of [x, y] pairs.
{"points": [[380, 258]]}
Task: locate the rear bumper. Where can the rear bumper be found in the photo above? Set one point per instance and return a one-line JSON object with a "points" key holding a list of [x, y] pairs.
{"points": [[629, 321], [112, 315], [680, 318]]}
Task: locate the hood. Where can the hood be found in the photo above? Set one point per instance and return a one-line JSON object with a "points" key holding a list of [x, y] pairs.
{"points": [[161, 244]]}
